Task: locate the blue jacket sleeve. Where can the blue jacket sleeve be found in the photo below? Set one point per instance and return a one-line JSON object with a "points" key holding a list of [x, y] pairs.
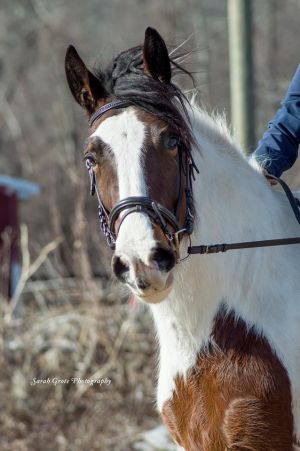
{"points": [[278, 149]]}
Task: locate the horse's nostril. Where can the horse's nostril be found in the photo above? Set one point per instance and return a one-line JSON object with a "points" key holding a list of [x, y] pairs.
{"points": [[164, 258], [119, 268]]}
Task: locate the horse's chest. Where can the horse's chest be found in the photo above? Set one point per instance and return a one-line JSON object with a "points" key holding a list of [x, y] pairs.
{"points": [[236, 397]]}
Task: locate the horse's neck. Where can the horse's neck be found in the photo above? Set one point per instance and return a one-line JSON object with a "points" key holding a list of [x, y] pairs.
{"points": [[233, 203]]}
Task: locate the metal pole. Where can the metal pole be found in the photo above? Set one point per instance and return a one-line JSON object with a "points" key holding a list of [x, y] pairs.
{"points": [[241, 71]]}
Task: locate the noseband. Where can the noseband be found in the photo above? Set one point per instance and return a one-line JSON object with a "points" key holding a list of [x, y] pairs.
{"points": [[159, 214], [167, 220]]}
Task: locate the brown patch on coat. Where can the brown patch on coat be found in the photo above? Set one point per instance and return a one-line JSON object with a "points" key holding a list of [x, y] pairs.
{"points": [[236, 397]]}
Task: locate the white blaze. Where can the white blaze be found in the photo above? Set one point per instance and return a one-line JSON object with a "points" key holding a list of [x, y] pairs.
{"points": [[125, 135]]}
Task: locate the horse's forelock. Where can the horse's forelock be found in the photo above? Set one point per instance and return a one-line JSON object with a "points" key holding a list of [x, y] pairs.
{"points": [[125, 79]]}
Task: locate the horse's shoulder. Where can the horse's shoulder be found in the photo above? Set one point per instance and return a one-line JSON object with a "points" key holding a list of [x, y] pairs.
{"points": [[237, 382]]}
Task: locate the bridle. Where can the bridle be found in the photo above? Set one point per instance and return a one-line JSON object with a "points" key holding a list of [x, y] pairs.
{"points": [[167, 220]]}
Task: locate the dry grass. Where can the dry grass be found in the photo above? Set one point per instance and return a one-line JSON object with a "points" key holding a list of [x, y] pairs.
{"points": [[66, 329]]}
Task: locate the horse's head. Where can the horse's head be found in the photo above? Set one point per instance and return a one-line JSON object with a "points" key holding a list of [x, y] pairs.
{"points": [[138, 158]]}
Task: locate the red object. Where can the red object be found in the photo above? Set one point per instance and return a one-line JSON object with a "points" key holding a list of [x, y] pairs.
{"points": [[9, 239]]}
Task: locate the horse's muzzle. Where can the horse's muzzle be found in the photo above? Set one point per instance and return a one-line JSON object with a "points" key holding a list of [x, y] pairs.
{"points": [[148, 279]]}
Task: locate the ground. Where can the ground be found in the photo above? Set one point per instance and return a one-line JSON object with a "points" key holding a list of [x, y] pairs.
{"points": [[63, 330]]}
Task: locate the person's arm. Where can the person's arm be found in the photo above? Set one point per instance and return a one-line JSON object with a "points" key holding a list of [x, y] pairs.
{"points": [[277, 151]]}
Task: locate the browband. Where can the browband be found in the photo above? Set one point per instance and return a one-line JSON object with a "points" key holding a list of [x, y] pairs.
{"points": [[107, 107]]}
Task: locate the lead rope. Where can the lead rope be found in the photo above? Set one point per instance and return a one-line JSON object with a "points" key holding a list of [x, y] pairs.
{"points": [[224, 247]]}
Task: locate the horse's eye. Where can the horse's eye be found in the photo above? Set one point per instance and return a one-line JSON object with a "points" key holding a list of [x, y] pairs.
{"points": [[171, 141]]}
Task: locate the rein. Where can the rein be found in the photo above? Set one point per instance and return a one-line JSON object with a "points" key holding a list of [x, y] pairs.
{"points": [[162, 215], [216, 248]]}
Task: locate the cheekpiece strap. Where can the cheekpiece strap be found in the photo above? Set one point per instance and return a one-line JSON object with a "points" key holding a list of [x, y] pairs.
{"points": [[107, 107]]}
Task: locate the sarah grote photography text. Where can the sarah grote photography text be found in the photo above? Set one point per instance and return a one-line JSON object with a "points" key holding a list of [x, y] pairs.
{"points": [[72, 380]]}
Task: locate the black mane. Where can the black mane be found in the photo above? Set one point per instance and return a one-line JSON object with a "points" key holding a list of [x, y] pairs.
{"points": [[125, 79]]}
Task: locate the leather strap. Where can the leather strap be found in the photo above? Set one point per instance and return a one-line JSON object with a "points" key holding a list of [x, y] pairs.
{"points": [[294, 202], [216, 248], [107, 107], [140, 203]]}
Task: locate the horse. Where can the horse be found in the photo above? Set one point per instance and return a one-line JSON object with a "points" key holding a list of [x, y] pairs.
{"points": [[167, 175]]}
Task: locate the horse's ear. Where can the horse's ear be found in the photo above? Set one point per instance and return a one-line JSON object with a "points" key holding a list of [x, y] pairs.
{"points": [[87, 90], [156, 58]]}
